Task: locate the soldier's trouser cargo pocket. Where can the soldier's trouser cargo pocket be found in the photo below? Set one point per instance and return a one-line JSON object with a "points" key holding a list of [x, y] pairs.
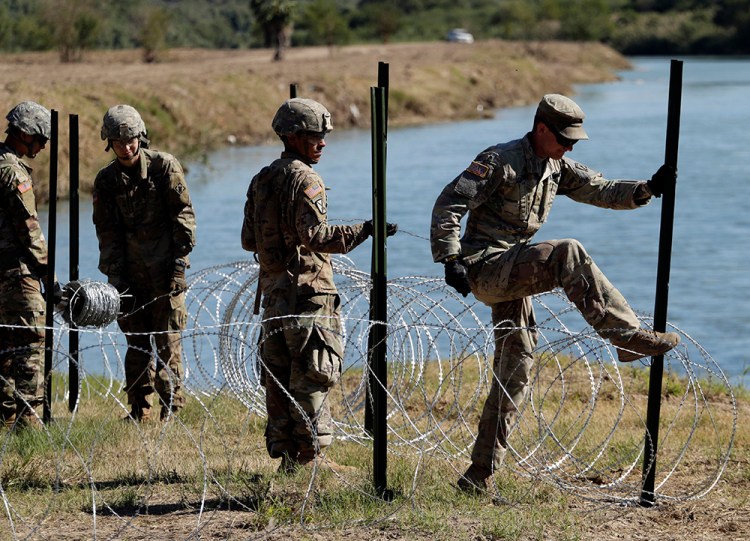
{"points": [[323, 363]]}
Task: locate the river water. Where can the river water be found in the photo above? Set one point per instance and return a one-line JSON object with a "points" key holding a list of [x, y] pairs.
{"points": [[626, 121]]}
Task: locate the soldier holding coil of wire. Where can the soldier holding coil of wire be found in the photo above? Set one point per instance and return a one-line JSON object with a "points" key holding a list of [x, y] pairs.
{"points": [[145, 224]]}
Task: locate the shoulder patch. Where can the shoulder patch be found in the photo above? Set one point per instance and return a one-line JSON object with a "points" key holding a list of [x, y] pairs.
{"points": [[24, 186], [478, 169], [320, 206], [313, 189], [582, 167], [179, 188]]}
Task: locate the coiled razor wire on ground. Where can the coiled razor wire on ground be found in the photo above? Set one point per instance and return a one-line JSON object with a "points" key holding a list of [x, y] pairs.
{"points": [[440, 348]]}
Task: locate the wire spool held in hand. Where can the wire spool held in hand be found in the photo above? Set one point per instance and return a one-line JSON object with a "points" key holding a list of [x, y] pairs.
{"points": [[90, 303]]}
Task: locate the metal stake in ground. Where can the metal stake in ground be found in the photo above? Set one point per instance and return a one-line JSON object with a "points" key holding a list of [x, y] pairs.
{"points": [[73, 381], [378, 381], [648, 496], [49, 334], [383, 81]]}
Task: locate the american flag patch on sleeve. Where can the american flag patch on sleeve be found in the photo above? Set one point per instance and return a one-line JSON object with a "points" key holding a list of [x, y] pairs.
{"points": [[313, 189], [478, 169], [24, 186]]}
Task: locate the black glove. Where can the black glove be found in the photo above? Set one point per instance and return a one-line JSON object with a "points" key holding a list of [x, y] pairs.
{"points": [[664, 177], [57, 293], [390, 229], [179, 282], [457, 276]]}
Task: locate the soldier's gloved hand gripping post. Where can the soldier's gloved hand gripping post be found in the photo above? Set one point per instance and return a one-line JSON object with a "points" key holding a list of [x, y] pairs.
{"points": [[145, 224], [507, 192], [23, 265], [286, 225]]}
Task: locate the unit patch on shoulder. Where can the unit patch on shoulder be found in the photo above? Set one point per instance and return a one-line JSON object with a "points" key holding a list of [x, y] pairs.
{"points": [[320, 206], [179, 188], [313, 189], [478, 169], [24, 186], [582, 167]]}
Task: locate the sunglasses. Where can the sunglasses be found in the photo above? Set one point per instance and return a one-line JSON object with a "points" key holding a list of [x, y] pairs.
{"points": [[562, 140], [314, 135]]}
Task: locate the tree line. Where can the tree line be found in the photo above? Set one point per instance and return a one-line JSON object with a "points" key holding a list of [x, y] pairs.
{"points": [[630, 26]]}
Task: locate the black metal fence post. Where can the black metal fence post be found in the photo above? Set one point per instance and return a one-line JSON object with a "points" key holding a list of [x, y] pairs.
{"points": [[383, 81], [73, 381], [378, 308], [49, 331], [648, 496]]}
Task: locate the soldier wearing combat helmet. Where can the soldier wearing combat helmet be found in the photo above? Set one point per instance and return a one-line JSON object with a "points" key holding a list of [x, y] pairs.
{"points": [[145, 224], [286, 225], [507, 192], [23, 264]]}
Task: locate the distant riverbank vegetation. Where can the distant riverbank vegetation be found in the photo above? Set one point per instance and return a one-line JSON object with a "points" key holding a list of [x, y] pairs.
{"points": [[633, 27]]}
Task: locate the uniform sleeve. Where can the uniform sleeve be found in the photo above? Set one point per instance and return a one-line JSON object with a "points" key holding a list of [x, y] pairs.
{"points": [[248, 223], [109, 231], [467, 191], [21, 210], [311, 220], [180, 210], [588, 186]]}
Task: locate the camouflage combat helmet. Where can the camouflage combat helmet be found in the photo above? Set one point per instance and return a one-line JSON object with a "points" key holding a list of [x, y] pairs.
{"points": [[122, 122], [301, 114], [31, 118]]}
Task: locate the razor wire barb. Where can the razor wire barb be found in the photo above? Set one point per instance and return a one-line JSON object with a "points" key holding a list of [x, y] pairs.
{"points": [[440, 354]]}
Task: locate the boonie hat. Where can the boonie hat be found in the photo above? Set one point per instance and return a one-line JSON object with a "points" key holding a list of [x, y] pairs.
{"points": [[562, 115]]}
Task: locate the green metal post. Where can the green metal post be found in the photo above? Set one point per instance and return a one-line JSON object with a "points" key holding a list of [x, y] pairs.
{"points": [[648, 495], [383, 81], [73, 383], [49, 334], [378, 332]]}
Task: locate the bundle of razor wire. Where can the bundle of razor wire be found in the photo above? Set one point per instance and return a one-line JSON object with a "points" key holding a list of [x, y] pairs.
{"points": [[440, 350], [89, 303]]}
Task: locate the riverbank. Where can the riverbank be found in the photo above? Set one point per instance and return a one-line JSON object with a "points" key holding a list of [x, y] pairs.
{"points": [[195, 101]]}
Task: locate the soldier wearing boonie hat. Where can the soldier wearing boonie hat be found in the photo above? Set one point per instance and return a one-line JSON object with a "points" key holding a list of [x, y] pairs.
{"points": [[563, 115], [507, 192]]}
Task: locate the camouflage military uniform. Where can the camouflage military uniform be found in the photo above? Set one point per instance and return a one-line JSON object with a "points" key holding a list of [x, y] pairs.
{"points": [[508, 192], [145, 221], [286, 224], [23, 263]]}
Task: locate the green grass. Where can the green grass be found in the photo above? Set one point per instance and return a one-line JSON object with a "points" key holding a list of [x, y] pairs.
{"points": [[213, 459]]}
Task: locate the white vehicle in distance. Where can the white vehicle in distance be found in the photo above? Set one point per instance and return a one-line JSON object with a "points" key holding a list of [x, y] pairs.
{"points": [[459, 35]]}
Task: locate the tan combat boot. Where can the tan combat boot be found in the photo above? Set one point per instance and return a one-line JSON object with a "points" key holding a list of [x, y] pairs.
{"points": [[140, 412], [474, 480], [9, 420], [29, 420], [336, 467], [645, 343]]}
